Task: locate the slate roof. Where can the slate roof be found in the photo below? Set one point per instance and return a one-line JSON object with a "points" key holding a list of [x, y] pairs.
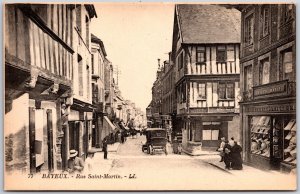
{"points": [[209, 24]]}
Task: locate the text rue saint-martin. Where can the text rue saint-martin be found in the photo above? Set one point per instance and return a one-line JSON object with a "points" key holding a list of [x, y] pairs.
{"points": [[87, 176]]}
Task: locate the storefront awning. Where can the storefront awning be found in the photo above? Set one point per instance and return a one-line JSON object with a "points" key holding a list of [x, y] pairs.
{"points": [[108, 124], [117, 126]]}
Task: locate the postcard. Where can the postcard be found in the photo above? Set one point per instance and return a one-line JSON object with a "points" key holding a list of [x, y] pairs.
{"points": [[149, 97]]}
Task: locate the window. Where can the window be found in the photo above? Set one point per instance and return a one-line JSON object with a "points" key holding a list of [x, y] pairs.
{"points": [[287, 13], [201, 91], [264, 71], [210, 134], [265, 17], [87, 26], [183, 89], [249, 29], [200, 56], [92, 63], [80, 75], [248, 78], [221, 54], [78, 17], [230, 53], [287, 63], [230, 90], [180, 60], [226, 90]]}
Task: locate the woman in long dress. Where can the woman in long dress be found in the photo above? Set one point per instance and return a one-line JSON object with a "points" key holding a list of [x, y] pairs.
{"points": [[236, 158]]}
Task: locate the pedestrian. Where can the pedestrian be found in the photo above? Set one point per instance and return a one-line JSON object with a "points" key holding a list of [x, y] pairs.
{"points": [[221, 149], [227, 155], [89, 161], [236, 158], [75, 164], [104, 148], [122, 136]]}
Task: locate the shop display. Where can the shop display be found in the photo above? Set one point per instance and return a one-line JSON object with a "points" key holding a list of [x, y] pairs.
{"points": [[290, 143], [260, 138]]}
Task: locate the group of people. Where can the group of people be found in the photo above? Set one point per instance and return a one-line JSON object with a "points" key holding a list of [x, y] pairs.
{"points": [[230, 152], [77, 164]]}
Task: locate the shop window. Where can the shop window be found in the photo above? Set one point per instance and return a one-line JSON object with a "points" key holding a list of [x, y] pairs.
{"points": [[249, 29], [248, 78], [210, 134], [265, 18], [260, 135], [287, 64], [290, 142], [221, 54], [264, 71]]}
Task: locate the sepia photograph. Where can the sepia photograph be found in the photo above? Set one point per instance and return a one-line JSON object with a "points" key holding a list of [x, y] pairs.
{"points": [[140, 96]]}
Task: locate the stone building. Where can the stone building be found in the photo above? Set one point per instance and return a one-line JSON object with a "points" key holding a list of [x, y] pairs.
{"points": [[268, 85], [205, 50], [81, 110], [98, 66]]}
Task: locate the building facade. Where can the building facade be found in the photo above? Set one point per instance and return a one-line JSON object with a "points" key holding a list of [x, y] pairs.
{"points": [[40, 66], [206, 54], [97, 68], [81, 109], [268, 85]]}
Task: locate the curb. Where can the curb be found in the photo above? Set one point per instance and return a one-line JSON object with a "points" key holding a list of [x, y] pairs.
{"points": [[227, 171], [203, 154]]}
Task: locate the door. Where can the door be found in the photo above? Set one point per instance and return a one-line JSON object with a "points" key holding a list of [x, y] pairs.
{"points": [[50, 140]]}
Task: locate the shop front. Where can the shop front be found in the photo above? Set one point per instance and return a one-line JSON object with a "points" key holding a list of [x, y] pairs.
{"points": [[270, 135]]}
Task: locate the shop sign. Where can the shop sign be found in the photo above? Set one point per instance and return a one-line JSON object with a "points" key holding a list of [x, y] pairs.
{"points": [[271, 90], [273, 108]]}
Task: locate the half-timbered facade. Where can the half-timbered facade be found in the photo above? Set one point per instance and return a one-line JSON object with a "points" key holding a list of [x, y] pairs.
{"points": [[206, 53], [268, 85], [41, 58]]}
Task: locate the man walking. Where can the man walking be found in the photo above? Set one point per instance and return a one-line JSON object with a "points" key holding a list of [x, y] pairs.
{"points": [[104, 148]]}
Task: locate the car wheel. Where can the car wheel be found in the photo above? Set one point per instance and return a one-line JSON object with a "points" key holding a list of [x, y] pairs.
{"points": [[151, 150]]}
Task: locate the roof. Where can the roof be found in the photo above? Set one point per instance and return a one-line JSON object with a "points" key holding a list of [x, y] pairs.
{"points": [[208, 24], [99, 41], [91, 10]]}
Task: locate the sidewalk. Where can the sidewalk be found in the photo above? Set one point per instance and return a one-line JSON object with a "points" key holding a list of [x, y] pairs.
{"points": [[214, 160], [110, 147], [102, 165]]}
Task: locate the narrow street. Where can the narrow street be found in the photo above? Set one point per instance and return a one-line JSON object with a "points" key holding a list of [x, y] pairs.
{"points": [[186, 171]]}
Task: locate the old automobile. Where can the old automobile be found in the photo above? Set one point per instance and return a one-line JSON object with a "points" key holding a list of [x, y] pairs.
{"points": [[156, 140]]}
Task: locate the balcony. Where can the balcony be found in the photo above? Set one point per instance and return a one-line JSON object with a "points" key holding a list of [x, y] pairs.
{"points": [[214, 110], [277, 89]]}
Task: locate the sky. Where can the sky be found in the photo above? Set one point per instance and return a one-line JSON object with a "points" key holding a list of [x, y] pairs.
{"points": [[135, 35]]}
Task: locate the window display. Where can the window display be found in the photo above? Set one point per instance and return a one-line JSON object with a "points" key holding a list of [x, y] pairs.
{"points": [[260, 135], [290, 142]]}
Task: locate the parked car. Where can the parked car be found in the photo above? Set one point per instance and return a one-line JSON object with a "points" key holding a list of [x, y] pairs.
{"points": [[156, 140]]}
